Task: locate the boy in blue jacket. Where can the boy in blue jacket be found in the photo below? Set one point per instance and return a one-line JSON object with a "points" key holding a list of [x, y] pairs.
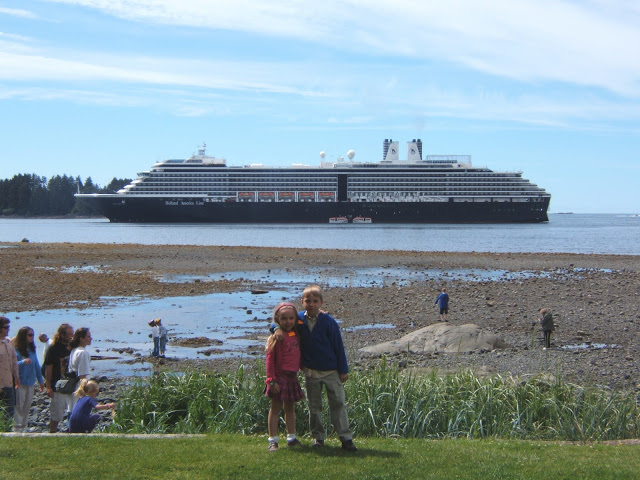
{"points": [[443, 300], [325, 364]]}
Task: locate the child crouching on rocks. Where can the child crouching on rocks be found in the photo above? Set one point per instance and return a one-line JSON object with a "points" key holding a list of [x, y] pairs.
{"points": [[81, 420]]}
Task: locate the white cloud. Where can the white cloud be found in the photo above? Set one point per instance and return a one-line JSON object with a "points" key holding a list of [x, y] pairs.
{"points": [[17, 12], [587, 43], [507, 39]]}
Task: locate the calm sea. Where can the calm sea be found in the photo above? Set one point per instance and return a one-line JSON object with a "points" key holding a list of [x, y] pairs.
{"points": [[572, 233]]}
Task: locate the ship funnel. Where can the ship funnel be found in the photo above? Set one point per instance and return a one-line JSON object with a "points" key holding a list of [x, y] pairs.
{"points": [[414, 151], [390, 150]]}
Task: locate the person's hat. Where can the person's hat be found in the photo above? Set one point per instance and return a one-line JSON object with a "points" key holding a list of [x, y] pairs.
{"points": [[152, 323]]}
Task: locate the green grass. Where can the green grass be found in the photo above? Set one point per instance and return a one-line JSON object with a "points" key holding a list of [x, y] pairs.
{"points": [[227, 456], [407, 426], [385, 402]]}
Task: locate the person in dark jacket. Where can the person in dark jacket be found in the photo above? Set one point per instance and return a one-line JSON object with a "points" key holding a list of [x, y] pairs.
{"points": [[547, 325], [443, 301]]}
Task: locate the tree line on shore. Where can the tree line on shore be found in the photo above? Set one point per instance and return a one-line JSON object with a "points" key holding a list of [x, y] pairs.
{"points": [[32, 195]]}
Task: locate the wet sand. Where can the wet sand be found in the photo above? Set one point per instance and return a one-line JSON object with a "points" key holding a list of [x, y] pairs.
{"points": [[595, 298]]}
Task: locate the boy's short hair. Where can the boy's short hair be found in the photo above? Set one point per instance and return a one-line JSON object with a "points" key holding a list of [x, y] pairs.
{"points": [[313, 290]]}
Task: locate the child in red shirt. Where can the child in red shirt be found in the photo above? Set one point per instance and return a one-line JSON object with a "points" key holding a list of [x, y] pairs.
{"points": [[283, 387]]}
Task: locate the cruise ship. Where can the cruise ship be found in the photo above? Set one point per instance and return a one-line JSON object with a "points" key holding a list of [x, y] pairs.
{"points": [[433, 189]]}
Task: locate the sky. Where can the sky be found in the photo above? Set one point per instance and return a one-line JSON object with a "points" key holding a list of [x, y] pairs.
{"points": [[105, 88]]}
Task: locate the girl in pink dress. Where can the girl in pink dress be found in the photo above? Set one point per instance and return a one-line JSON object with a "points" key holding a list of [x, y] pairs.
{"points": [[283, 388]]}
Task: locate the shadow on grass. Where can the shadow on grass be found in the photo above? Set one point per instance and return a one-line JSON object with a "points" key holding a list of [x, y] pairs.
{"points": [[337, 451]]}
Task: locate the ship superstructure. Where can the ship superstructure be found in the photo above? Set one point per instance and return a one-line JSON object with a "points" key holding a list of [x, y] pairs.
{"points": [[438, 188]]}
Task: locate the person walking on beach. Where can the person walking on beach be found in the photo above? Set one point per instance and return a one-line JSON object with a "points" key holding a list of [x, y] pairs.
{"points": [[29, 369], [9, 373], [443, 301], [81, 419], [155, 336], [46, 344], [547, 325], [163, 333], [325, 364], [282, 386], [56, 364]]}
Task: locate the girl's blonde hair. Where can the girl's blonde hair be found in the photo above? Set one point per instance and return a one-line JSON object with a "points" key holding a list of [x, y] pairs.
{"points": [[271, 342], [85, 387]]}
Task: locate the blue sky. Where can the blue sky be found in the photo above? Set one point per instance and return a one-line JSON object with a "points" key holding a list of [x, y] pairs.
{"points": [[104, 88]]}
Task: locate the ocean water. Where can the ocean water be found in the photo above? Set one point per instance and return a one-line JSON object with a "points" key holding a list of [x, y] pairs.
{"points": [[570, 233]]}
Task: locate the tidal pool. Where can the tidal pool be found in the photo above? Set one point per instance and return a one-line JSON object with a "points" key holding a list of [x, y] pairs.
{"points": [[121, 332]]}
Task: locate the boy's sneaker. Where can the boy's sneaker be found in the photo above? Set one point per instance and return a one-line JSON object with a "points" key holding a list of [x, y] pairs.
{"points": [[349, 446], [273, 446], [318, 443], [294, 443]]}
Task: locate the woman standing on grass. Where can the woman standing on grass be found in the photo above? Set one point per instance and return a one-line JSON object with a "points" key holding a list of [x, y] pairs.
{"points": [[29, 369]]}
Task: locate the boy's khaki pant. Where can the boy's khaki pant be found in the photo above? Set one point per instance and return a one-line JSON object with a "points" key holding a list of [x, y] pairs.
{"points": [[337, 406]]}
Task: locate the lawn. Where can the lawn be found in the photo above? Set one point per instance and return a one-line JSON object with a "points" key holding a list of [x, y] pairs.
{"points": [[222, 456]]}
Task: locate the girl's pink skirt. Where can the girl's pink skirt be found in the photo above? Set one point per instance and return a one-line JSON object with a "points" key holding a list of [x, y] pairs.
{"points": [[290, 390]]}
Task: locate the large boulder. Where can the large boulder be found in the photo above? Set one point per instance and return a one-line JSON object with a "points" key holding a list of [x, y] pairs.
{"points": [[440, 337]]}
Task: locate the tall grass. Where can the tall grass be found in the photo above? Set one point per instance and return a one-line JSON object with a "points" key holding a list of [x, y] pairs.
{"points": [[389, 403]]}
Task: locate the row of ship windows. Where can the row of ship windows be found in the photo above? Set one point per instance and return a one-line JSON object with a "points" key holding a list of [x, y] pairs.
{"points": [[411, 185], [448, 191], [315, 174], [329, 176]]}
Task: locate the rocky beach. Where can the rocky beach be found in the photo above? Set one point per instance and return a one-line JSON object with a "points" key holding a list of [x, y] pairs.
{"points": [[595, 299]]}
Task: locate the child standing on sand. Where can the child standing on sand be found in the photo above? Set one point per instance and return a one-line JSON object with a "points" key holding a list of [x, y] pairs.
{"points": [[81, 420], [443, 300], [325, 364], [546, 322], [162, 333], [155, 336], [283, 363]]}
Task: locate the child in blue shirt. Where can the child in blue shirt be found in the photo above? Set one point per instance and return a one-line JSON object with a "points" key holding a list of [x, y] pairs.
{"points": [[81, 419], [443, 300]]}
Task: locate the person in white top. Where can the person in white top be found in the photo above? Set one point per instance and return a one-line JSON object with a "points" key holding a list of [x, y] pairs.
{"points": [[162, 331], [80, 360], [155, 335], [44, 338]]}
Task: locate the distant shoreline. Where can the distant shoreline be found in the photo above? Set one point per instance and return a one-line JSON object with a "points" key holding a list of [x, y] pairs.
{"points": [[49, 217]]}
